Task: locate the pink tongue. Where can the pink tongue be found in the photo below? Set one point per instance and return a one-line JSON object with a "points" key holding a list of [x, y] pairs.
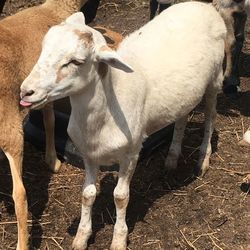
{"points": [[25, 104]]}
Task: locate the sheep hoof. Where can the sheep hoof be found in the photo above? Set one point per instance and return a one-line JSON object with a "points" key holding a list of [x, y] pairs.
{"points": [[54, 164], [202, 166], [116, 246], [171, 161], [199, 172], [78, 245], [80, 242]]}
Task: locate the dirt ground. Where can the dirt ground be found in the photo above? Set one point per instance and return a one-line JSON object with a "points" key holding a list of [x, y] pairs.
{"points": [[208, 213]]}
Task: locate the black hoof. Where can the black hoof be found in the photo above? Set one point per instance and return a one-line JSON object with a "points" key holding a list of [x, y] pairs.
{"points": [[232, 91]]}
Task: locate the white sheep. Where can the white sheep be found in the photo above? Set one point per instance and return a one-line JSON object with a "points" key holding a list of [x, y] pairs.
{"points": [[20, 45], [120, 98]]}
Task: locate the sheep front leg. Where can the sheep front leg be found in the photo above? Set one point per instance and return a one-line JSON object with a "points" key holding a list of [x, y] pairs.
{"points": [[88, 197], [210, 116], [49, 124], [175, 148], [121, 198], [14, 152]]}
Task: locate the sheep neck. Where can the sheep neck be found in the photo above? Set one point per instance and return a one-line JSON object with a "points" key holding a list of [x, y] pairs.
{"points": [[90, 107], [96, 115]]}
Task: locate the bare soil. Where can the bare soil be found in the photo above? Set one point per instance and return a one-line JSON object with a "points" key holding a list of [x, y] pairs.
{"points": [[208, 213]]}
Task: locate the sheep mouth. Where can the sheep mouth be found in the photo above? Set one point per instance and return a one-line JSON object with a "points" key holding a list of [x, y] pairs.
{"points": [[34, 104]]}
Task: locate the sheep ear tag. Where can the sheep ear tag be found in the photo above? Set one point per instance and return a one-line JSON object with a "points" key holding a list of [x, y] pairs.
{"points": [[110, 57], [76, 19]]}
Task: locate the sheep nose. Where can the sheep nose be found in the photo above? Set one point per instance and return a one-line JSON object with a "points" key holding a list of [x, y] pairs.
{"points": [[27, 93]]}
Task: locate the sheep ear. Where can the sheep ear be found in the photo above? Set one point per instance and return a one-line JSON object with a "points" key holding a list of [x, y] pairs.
{"points": [[110, 57], [76, 19]]}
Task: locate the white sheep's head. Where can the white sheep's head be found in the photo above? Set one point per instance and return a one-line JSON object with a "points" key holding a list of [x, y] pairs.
{"points": [[71, 54]]}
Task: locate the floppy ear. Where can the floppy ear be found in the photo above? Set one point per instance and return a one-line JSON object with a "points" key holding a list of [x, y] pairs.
{"points": [[110, 57], [76, 19]]}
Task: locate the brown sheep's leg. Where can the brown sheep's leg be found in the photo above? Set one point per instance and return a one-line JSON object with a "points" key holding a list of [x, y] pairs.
{"points": [[230, 41], [49, 125], [13, 149], [239, 32], [229, 44], [233, 79]]}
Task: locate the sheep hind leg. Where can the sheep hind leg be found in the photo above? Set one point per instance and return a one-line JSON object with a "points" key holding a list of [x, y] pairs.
{"points": [[121, 198], [49, 123], [89, 191], [210, 116], [175, 147], [233, 49], [13, 150]]}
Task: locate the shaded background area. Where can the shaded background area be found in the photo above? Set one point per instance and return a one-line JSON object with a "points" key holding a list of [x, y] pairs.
{"points": [[207, 213]]}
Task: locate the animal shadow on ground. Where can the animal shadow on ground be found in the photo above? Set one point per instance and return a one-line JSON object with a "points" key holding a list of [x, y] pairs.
{"points": [[234, 107], [244, 65], [36, 178], [149, 183]]}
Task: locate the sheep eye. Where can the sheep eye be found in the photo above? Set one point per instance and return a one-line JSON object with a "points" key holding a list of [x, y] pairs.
{"points": [[73, 61]]}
